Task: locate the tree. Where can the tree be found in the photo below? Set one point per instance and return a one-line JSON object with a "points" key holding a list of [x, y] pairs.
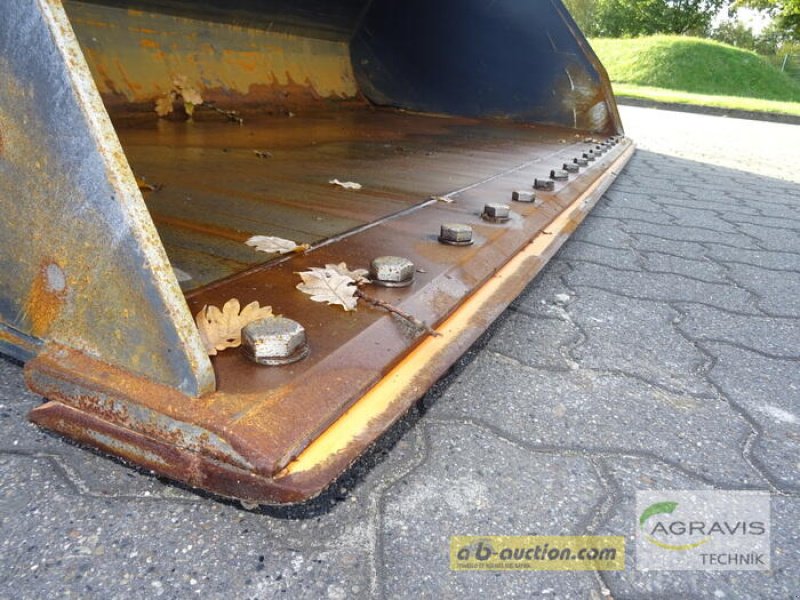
{"points": [[785, 12], [736, 34], [585, 14], [627, 18]]}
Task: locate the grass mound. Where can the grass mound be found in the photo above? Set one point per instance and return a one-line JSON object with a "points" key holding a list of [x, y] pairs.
{"points": [[694, 65]]}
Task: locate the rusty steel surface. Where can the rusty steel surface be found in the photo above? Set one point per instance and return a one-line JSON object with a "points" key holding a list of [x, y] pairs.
{"points": [[81, 261], [135, 56], [215, 192], [97, 407]]}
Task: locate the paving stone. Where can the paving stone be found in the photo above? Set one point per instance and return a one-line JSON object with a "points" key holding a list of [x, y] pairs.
{"points": [[55, 544], [615, 200], [637, 337], [777, 295], [541, 297], [537, 342], [608, 412], [687, 250], [773, 238], [632, 474], [777, 222], [691, 234], [628, 215], [704, 269], [767, 259], [719, 203], [776, 336], [476, 483], [768, 389], [578, 250], [661, 287], [603, 233]]}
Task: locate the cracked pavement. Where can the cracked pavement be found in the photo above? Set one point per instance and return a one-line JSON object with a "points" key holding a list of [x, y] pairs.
{"points": [[658, 350]]}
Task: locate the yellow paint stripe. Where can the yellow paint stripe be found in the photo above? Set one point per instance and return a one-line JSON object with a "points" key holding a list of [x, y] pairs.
{"points": [[354, 423]]}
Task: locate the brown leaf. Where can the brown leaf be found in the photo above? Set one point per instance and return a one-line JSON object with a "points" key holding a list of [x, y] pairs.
{"points": [[221, 329], [329, 286]]}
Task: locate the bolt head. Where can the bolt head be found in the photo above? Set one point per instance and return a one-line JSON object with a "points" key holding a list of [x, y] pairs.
{"points": [[456, 232], [497, 211], [392, 269], [571, 167], [274, 341], [581, 162], [523, 196], [544, 184], [589, 155], [558, 175]]}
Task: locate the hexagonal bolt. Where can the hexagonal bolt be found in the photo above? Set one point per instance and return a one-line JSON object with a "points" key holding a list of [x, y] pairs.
{"points": [[546, 185], [589, 156], [392, 271], [559, 175], [274, 341], [456, 234], [496, 213], [571, 167], [581, 162], [523, 196]]}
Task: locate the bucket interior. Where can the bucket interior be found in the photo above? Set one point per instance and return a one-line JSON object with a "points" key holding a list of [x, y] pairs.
{"points": [[409, 100]]}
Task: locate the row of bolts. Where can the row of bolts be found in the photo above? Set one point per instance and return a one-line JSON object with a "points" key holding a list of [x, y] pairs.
{"points": [[280, 341]]}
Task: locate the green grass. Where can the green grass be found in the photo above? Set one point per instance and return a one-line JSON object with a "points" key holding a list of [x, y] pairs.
{"points": [[623, 90], [696, 71]]}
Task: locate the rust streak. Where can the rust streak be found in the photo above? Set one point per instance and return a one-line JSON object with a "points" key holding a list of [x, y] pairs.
{"points": [[45, 298]]}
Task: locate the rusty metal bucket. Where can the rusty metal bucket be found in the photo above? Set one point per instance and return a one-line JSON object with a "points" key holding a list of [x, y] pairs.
{"points": [[143, 142]]}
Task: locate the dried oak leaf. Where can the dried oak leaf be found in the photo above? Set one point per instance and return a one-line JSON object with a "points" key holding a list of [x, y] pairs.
{"points": [[164, 105], [329, 286], [359, 276], [272, 245], [190, 94], [221, 329]]}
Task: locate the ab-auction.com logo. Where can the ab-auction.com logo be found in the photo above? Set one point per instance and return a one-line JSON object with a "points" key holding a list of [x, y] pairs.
{"points": [[711, 530]]}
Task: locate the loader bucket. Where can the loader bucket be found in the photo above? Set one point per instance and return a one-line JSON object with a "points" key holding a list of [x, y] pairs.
{"points": [[143, 142]]}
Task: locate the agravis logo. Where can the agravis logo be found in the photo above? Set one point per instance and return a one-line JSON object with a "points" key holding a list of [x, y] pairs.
{"points": [[707, 529]]}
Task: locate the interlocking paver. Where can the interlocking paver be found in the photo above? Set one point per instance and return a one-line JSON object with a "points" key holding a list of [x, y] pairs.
{"points": [[663, 287], [778, 294], [637, 337], [778, 337], [473, 482], [597, 411], [767, 389]]}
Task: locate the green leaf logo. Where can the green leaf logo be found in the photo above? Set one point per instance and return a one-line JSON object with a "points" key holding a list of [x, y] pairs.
{"points": [[665, 508]]}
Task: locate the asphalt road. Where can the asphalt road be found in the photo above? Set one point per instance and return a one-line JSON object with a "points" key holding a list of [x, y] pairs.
{"points": [[659, 350]]}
